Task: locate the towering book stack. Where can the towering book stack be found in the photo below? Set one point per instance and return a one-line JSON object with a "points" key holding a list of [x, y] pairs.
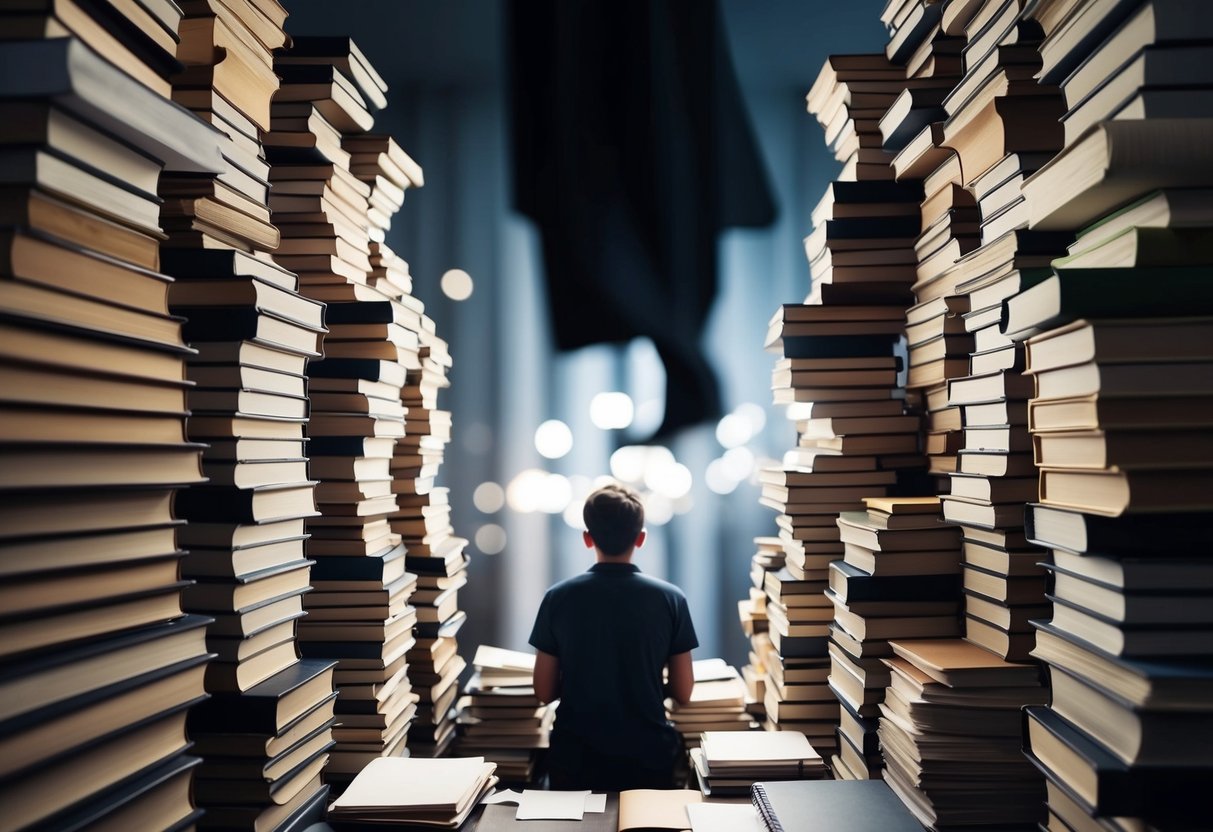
{"points": [[1118, 337], [435, 553], [997, 124], [951, 733], [253, 335], [839, 375], [718, 703], [361, 613], [98, 664], [912, 129], [499, 715], [899, 577], [1001, 125]]}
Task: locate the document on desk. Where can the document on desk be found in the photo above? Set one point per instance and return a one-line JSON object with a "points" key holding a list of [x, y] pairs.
{"points": [[724, 817], [537, 804], [594, 803]]}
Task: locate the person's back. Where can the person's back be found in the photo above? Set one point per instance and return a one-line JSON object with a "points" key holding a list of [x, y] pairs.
{"points": [[604, 638]]}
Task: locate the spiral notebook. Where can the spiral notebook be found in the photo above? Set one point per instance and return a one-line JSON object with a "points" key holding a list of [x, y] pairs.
{"points": [[831, 806]]}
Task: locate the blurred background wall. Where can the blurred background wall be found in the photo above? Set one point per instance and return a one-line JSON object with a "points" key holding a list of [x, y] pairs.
{"points": [[445, 61]]}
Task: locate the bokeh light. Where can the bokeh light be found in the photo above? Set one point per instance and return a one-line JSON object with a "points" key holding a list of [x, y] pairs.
{"points": [[553, 439], [457, 284], [490, 539], [489, 497], [612, 411]]}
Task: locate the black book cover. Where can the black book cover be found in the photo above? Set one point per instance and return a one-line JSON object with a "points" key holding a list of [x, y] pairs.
{"points": [[227, 323], [361, 312], [827, 805], [371, 369], [803, 647], [340, 649], [355, 569], [873, 227], [222, 504], [214, 263], [877, 191], [1113, 537], [306, 73], [336, 445], [864, 587], [256, 710], [279, 155], [838, 346]]}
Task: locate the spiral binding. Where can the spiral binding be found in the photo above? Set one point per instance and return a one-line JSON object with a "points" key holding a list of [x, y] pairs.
{"points": [[758, 796]]}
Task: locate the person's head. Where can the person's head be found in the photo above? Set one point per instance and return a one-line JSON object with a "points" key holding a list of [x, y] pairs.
{"points": [[614, 520]]}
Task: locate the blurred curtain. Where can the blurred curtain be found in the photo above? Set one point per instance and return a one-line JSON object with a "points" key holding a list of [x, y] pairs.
{"points": [[631, 151]]}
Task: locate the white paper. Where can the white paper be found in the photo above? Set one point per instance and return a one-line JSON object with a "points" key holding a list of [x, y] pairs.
{"points": [[544, 805], [724, 817], [595, 803], [505, 796]]}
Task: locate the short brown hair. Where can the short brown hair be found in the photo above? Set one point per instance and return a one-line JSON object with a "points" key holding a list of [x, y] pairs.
{"points": [[614, 517]]}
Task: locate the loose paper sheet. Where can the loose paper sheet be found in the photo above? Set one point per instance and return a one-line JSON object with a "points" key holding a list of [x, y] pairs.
{"points": [[544, 805], [594, 803]]}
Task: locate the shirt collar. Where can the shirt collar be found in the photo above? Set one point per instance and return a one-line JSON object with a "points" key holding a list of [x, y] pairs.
{"points": [[614, 568]]}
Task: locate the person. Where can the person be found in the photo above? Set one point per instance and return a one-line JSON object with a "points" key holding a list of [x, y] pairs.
{"points": [[604, 639]]}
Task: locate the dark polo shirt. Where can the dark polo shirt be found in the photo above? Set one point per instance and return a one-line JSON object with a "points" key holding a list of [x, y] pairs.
{"points": [[613, 630]]}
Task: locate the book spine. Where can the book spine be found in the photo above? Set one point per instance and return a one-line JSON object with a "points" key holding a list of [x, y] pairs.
{"points": [[758, 796]]}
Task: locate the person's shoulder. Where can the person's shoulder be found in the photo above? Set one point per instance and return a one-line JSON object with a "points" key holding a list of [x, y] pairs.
{"points": [[568, 584], [658, 585]]}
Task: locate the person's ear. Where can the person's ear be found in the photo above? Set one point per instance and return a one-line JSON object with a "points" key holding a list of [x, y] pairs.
{"points": [[640, 538], [589, 541]]}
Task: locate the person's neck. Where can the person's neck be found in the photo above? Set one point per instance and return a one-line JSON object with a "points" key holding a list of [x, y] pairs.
{"points": [[626, 557]]}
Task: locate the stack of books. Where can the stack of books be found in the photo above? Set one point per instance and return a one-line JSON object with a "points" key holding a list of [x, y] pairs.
{"points": [[412, 792], [100, 665], [1120, 416], [253, 334], [499, 716], [442, 572], [752, 612], [993, 476], [361, 613], [1135, 80], [265, 745], [435, 553], [839, 375], [950, 730], [718, 703], [728, 763], [899, 577]]}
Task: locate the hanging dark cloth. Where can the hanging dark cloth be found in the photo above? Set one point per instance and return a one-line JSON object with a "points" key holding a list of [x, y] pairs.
{"points": [[632, 150]]}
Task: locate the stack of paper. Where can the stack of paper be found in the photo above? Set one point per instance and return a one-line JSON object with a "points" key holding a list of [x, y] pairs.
{"points": [[439, 793], [729, 762]]}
